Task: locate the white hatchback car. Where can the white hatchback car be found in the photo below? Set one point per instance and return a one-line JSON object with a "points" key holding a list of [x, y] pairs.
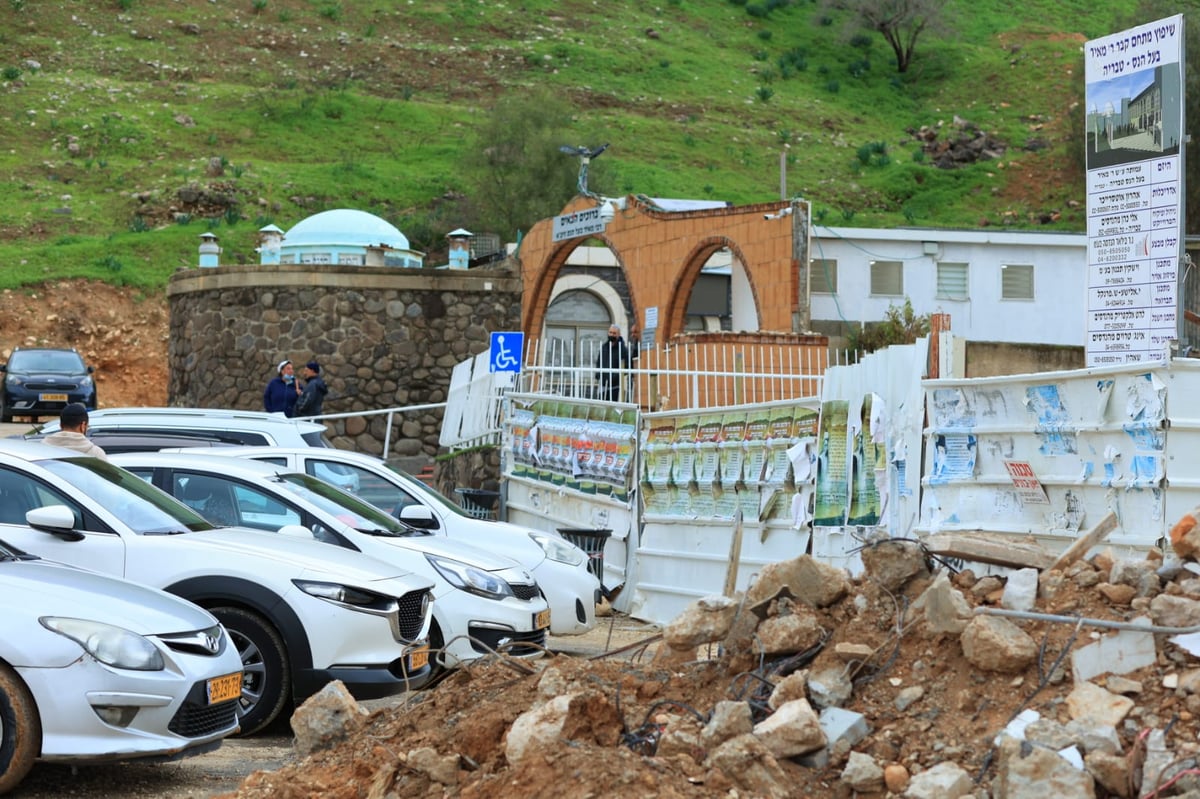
{"points": [[299, 616], [559, 566], [96, 669], [482, 601]]}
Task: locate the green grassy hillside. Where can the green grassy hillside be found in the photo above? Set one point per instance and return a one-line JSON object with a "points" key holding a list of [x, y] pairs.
{"points": [[130, 127]]}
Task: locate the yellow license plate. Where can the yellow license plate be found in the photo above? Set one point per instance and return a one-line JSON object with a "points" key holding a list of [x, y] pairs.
{"points": [[52, 397], [541, 620], [222, 689], [418, 658]]}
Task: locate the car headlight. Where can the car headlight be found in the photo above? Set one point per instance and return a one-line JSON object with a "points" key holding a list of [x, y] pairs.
{"points": [[85, 382], [114, 646], [471, 579], [558, 549], [345, 595]]}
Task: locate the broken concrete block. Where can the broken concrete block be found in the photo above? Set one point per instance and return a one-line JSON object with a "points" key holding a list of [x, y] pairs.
{"points": [[442, 769], [792, 730], [729, 720], [843, 729], [705, 621], [793, 686], [829, 687], [794, 632], [1020, 592], [748, 764], [946, 609], [893, 563], [1090, 703], [862, 774], [1034, 772], [1174, 611], [812, 582], [994, 644], [1111, 772], [943, 781], [1141, 575], [1120, 653]]}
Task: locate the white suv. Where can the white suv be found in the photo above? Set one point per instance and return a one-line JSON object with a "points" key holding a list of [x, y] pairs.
{"points": [[560, 567], [483, 601], [254, 428], [300, 617]]}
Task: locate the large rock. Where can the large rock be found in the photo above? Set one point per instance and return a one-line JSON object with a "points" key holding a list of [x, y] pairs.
{"points": [[830, 686], [1034, 772], [1097, 707], [893, 563], [705, 621], [1174, 611], [862, 774], [1021, 590], [794, 729], [328, 717], [790, 633], [1112, 772], [729, 720], [943, 781], [994, 644], [793, 686], [747, 763], [583, 716], [812, 582]]}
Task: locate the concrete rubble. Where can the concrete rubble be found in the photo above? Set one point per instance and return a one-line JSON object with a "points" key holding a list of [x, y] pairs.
{"points": [[1075, 688]]}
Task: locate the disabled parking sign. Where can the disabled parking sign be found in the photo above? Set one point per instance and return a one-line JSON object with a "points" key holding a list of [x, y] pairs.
{"points": [[505, 354]]}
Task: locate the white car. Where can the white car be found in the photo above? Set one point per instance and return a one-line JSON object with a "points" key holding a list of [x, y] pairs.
{"points": [[96, 669], [252, 428], [482, 602], [300, 617], [559, 566]]}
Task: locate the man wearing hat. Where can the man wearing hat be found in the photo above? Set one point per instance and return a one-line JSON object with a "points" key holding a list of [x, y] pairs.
{"points": [[72, 432], [313, 397], [282, 391]]}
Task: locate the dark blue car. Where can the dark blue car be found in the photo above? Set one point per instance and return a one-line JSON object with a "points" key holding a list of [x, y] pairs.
{"points": [[41, 381]]}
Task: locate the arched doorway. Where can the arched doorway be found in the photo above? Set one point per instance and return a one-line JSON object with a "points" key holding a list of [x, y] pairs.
{"points": [[577, 322]]}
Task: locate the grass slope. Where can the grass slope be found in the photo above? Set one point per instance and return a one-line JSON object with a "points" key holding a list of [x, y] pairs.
{"points": [[270, 110]]}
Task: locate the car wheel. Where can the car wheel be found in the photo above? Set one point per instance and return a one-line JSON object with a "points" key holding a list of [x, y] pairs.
{"points": [[266, 675], [20, 730]]}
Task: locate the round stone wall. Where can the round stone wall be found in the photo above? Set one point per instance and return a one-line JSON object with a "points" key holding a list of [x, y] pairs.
{"points": [[385, 338]]}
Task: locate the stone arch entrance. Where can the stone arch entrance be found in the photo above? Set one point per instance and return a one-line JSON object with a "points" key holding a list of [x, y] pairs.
{"points": [[661, 252]]}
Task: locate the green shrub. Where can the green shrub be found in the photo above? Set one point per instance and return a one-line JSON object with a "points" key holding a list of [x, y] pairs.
{"points": [[139, 224], [331, 11], [833, 87], [764, 93], [259, 6], [11, 73], [764, 34]]}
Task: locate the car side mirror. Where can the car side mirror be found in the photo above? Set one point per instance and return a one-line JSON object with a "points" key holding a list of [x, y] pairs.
{"points": [[296, 531], [418, 516], [58, 520]]}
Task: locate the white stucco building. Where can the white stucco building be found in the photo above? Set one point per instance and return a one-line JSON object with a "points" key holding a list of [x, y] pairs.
{"points": [[998, 286]]}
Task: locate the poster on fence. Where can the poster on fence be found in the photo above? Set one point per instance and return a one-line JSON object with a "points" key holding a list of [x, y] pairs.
{"points": [[833, 487]]}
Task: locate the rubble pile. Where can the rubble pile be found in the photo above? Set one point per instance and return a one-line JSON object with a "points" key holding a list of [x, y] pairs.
{"points": [[914, 680]]}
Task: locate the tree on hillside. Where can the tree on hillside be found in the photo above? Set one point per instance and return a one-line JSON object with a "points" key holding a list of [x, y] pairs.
{"points": [[901, 22], [515, 171]]}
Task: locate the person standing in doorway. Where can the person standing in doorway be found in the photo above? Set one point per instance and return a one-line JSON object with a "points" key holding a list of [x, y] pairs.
{"points": [[614, 356], [281, 392], [312, 398]]}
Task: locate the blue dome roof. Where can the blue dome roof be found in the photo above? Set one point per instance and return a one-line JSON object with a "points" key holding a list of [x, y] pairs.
{"points": [[345, 227]]}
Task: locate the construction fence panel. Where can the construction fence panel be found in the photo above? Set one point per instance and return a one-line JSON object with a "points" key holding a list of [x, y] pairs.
{"points": [[868, 453], [724, 492], [569, 464], [1049, 455], [473, 405]]}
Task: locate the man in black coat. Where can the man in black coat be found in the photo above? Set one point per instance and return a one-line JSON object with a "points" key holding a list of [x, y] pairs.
{"points": [[613, 357], [312, 399]]}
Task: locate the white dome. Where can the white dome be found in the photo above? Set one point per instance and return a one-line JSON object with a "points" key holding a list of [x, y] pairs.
{"points": [[345, 227]]}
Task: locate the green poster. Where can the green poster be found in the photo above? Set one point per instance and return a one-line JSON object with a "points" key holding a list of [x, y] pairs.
{"points": [[833, 475]]}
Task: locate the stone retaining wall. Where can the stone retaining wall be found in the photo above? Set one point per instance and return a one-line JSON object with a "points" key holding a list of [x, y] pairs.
{"points": [[385, 337]]}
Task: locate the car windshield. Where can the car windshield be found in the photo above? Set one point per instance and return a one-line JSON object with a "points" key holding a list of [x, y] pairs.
{"points": [[430, 493], [60, 361], [347, 508], [10, 552], [143, 508]]}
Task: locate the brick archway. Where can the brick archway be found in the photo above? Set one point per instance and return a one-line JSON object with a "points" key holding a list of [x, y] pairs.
{"points": [[661, 253]]}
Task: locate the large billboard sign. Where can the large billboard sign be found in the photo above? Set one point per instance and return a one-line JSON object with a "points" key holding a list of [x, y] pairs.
{"points": [[1135, 115]]}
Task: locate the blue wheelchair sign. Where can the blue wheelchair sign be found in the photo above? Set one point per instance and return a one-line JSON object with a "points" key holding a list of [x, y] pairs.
{"points": [[505, 354]]}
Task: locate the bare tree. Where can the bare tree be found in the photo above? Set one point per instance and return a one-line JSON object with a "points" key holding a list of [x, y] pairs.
{"points": [[900, 21]]}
